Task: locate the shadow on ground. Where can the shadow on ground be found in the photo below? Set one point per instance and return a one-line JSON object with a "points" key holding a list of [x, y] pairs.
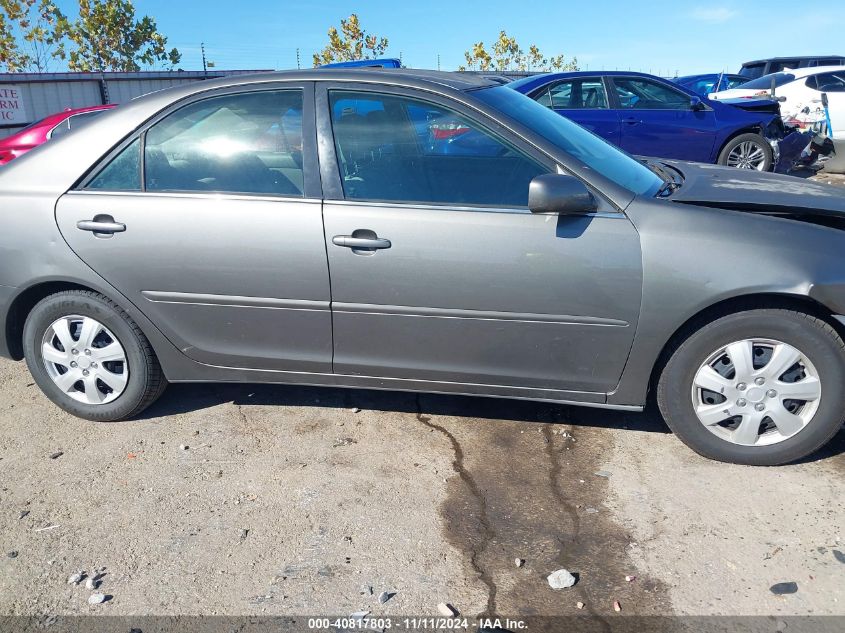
{"points": [[184, 398]]}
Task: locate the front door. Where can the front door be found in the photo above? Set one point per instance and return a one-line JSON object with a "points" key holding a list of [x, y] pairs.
{"points": [[658, 120], [210, 222], [439, 271]]}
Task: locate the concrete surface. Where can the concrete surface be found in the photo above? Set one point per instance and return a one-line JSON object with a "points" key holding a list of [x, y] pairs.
{"points": [[429, 497]]}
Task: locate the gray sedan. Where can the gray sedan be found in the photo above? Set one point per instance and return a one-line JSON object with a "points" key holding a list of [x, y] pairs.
{"points": [[420, 231]]}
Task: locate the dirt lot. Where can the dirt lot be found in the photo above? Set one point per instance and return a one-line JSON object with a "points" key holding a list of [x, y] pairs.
{"points": [[290, 501], [249, 500]]}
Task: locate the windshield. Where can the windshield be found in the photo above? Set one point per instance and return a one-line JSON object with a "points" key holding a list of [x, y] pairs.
{"points": [[610, 162], [765, 81]]}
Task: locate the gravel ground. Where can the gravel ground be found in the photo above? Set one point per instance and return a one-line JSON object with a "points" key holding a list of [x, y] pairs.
{"points": [[286, 500], [250, 500]]}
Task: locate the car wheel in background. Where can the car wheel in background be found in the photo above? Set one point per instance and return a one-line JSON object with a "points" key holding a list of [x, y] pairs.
{"points": [[747, 151], [760, 387], [90, 358]]}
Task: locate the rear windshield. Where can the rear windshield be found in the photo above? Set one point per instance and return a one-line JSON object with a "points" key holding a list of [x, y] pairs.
{"points": [[753, 71], [766, 81]]}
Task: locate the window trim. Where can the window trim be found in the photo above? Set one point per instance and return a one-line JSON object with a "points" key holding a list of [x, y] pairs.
{"points": [[330, 170], [310, 167]]}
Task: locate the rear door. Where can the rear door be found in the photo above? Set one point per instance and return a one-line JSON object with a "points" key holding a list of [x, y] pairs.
{"points": [[210, 222], [658, 120], [585, 101]]}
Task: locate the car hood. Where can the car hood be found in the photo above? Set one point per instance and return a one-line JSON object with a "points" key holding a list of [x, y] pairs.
{"points": [[757, 192], [761, 104], [733, 93]]}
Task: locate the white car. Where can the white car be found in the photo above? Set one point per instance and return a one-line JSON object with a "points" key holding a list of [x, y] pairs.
{"points": [[798, 89]]}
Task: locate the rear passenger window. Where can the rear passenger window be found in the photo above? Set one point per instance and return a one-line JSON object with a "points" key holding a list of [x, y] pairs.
{"points": [[578, 94], [244, 143], [400, 149], [123, 173]]}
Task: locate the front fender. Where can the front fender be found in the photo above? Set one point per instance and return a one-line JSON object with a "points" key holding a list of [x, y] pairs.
{"points": [[696, 257]]}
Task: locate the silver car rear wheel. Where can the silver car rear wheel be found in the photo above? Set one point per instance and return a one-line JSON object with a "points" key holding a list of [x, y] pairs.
{"points": [[756, 392], [85, 360]]}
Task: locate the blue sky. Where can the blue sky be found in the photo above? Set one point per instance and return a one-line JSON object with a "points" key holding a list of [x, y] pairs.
{"points": [[659, 37]]}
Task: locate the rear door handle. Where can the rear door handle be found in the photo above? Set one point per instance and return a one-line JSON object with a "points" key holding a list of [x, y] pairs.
{"points": [[102, 225], [631, 120], [360, 242]]}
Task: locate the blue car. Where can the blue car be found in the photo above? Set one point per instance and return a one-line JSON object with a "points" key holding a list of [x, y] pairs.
{"points": [[650, 116], [703, 85]]}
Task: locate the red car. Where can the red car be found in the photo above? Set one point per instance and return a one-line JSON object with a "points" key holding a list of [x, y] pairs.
{"points": [[42, 131]]}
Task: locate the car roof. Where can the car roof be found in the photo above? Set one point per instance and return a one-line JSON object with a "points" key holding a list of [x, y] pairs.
{"points": [[409, 77], [704, 75], [796, 57]]}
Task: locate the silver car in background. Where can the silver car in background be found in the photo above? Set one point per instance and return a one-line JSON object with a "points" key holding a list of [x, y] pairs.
{"points": [[420, 231]]}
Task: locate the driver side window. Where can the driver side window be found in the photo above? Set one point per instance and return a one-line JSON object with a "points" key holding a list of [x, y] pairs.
{"points": [[395, 148]]}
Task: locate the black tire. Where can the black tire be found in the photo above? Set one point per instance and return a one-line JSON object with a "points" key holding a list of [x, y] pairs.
{"points": [[815, 338], [146, 380], [752, 138]]}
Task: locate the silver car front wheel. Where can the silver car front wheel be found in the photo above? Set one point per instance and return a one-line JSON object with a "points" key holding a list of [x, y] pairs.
{"points": [[759, 386], [756, 392]]}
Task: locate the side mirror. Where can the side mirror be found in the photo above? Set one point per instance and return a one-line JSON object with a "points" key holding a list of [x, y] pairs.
{"points": [[825, 102], [560, 194], [695, 103]]}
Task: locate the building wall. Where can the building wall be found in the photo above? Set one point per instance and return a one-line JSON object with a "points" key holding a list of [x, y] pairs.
{"points": [[48, 93]]}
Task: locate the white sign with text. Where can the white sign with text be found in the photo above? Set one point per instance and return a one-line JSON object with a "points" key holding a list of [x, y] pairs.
{"points": [[12, 106]]}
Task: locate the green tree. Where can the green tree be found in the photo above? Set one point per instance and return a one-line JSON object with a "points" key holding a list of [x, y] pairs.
{"points": [[508, 55], [107, 36], [478, 58], [559, 62], [506, 51], [30, 35], [350, 43]]}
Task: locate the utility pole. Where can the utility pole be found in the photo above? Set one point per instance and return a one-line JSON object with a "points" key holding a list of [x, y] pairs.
{"points": [[298, 66], [204, 64], [401, 63], [438, 61]]}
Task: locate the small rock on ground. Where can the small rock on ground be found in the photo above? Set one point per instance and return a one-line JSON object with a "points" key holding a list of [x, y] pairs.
{"points": [[784, 588], [96, 598], [384, 596], [447, 610], [519, 562], [75, 579], [561, 579]]}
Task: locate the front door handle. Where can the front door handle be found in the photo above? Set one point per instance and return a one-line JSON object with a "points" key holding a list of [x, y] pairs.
{"points": [[101, 225], [631, 120], [350, 241]]}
